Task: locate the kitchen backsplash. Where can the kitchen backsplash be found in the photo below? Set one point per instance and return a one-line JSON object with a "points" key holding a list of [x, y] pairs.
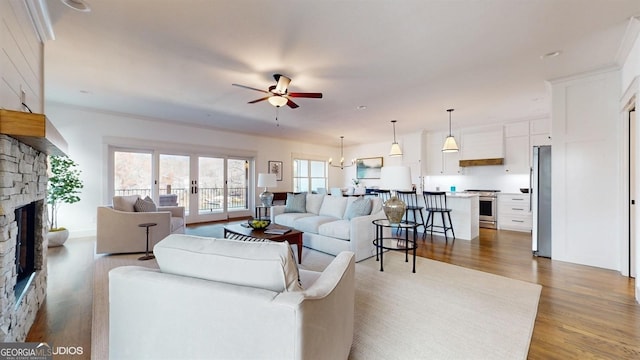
{"points": [[489, 178]]}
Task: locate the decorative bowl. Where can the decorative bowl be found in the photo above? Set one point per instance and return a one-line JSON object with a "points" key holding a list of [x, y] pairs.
{"points": [[258, 224]]}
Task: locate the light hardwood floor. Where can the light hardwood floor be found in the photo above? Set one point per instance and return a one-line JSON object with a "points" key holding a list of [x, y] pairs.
{"points": [[584, 312]]}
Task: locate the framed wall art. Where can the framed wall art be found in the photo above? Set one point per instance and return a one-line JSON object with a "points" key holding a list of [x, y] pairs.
{"points": [[275, 167], [369, 168]]}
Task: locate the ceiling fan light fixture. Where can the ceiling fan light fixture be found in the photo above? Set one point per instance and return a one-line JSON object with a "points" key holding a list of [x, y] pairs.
{"points": [[395, 147], [278, 100], [450, 144], [282, 85]]}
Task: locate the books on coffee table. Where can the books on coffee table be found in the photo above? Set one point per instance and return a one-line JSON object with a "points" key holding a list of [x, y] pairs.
{"points": [[277, 231]]}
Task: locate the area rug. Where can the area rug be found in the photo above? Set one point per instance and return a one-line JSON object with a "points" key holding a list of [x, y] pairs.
{"points": [[441, 312]]}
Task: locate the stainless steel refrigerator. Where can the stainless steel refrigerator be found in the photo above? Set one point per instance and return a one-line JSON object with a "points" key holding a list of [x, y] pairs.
{"points": [[541, 200]]}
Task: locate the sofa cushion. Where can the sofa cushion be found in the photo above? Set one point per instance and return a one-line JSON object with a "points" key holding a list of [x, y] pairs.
{"points": [[360, 207], [296, 203], [125, 203], [265, 265], [339, 229], [314, 202], [333, 206], [145, 205], [310, 224], [289, 219]]}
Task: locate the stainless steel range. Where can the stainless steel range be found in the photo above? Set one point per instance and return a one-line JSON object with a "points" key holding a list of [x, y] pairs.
{"points": [[488, 200]]}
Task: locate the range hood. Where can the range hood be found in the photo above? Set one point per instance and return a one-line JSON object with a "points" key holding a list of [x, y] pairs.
{"points": [[34, 130], [482, 147], [481, 162]]}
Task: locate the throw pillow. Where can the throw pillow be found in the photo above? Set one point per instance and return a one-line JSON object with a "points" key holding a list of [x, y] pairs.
{"points": [[296, 203], [333, 206], [314, 202], [145, 205], [360, 207], [267, 265], [125, 203]]}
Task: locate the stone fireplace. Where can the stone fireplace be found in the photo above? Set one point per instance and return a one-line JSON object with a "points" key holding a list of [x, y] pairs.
{"points": [[23, 185]]}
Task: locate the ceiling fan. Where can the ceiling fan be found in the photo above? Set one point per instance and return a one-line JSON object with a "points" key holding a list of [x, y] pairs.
{"points": [[279, 94]]}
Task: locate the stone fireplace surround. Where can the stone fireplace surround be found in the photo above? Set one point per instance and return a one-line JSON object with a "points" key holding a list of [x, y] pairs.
{"points": [[23, 180]]}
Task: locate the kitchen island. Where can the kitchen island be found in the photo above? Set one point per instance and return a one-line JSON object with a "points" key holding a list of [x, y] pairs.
{"points": [[465, 215]]}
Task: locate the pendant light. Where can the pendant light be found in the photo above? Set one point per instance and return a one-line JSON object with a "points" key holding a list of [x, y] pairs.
{"points": [[395, 148], [342, 165], [450, 143]]}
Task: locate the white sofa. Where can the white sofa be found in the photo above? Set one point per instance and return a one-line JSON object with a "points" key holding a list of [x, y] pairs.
{"points": [[117, 229], [326, 224], [194, 307]]}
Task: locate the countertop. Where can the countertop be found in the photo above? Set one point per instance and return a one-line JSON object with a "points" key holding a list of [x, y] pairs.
{"points": [[461, 194]]}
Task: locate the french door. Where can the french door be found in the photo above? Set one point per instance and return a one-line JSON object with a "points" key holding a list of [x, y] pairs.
{"points": [[209, 187]]}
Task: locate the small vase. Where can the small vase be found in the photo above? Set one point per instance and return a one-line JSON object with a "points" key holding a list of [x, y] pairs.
{"points": [[394, 209], [57, 238]]}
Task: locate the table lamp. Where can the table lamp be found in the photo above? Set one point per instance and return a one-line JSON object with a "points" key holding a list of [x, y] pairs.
{"points": [[395, 178], [266, 181]]}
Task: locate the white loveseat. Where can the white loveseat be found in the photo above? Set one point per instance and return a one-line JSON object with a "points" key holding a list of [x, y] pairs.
{"points": [[227, 299], [327, 225]]}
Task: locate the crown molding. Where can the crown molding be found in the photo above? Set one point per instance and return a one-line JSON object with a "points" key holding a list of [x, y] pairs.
{"points": [[628, 40], [40, 19]]}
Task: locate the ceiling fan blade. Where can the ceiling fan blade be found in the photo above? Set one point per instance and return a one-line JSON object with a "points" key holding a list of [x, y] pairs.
{"points": [[306, 95], [292, 104], [250, 88], [258, 100]]}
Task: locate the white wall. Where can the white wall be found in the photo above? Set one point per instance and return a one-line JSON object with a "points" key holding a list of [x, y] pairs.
{"points": [[20, 58], [631, 88], [88, 133], [410, 149], [586, 170]]}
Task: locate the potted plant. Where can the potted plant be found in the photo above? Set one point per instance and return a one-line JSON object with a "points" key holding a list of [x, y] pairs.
{"points": [[64, 187]]}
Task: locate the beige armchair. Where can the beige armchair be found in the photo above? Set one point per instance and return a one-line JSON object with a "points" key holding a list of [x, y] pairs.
{"points": [[118, 231]]}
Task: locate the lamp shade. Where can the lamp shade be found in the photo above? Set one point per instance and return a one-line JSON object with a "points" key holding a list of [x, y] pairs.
{"points": [[395, 150], [267, 180], [396, 177], [450, 145]]}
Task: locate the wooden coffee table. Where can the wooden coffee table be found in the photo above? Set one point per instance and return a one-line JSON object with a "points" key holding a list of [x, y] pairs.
{"points": [[293, 236]]}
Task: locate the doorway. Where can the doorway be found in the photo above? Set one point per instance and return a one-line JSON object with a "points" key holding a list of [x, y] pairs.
{"points": [[210, 187]]}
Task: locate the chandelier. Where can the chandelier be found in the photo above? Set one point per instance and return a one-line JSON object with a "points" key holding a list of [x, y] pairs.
{"points": [[342, 164]]}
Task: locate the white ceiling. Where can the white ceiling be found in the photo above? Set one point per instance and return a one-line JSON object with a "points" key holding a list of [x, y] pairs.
{"points": [[405, 60]]}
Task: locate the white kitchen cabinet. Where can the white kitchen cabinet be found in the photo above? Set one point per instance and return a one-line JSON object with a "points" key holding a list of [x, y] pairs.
{"points": [[540, 139], [514, 212], [517, 150], [540, 132], [517, 154]]}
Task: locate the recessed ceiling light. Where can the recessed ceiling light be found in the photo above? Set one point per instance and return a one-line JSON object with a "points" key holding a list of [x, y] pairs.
{"points": [[361, 107], [550, 55], [78, 5]]}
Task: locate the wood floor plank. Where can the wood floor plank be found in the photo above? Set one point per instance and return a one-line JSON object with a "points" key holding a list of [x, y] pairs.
{"points": [[584, 312]]}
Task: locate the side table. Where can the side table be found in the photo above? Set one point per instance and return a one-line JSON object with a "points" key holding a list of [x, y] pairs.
{"points": [[146, 253], [395, 243]]}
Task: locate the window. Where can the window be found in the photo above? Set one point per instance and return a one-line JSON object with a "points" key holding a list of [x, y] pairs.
{"points": [[309, 175]]}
